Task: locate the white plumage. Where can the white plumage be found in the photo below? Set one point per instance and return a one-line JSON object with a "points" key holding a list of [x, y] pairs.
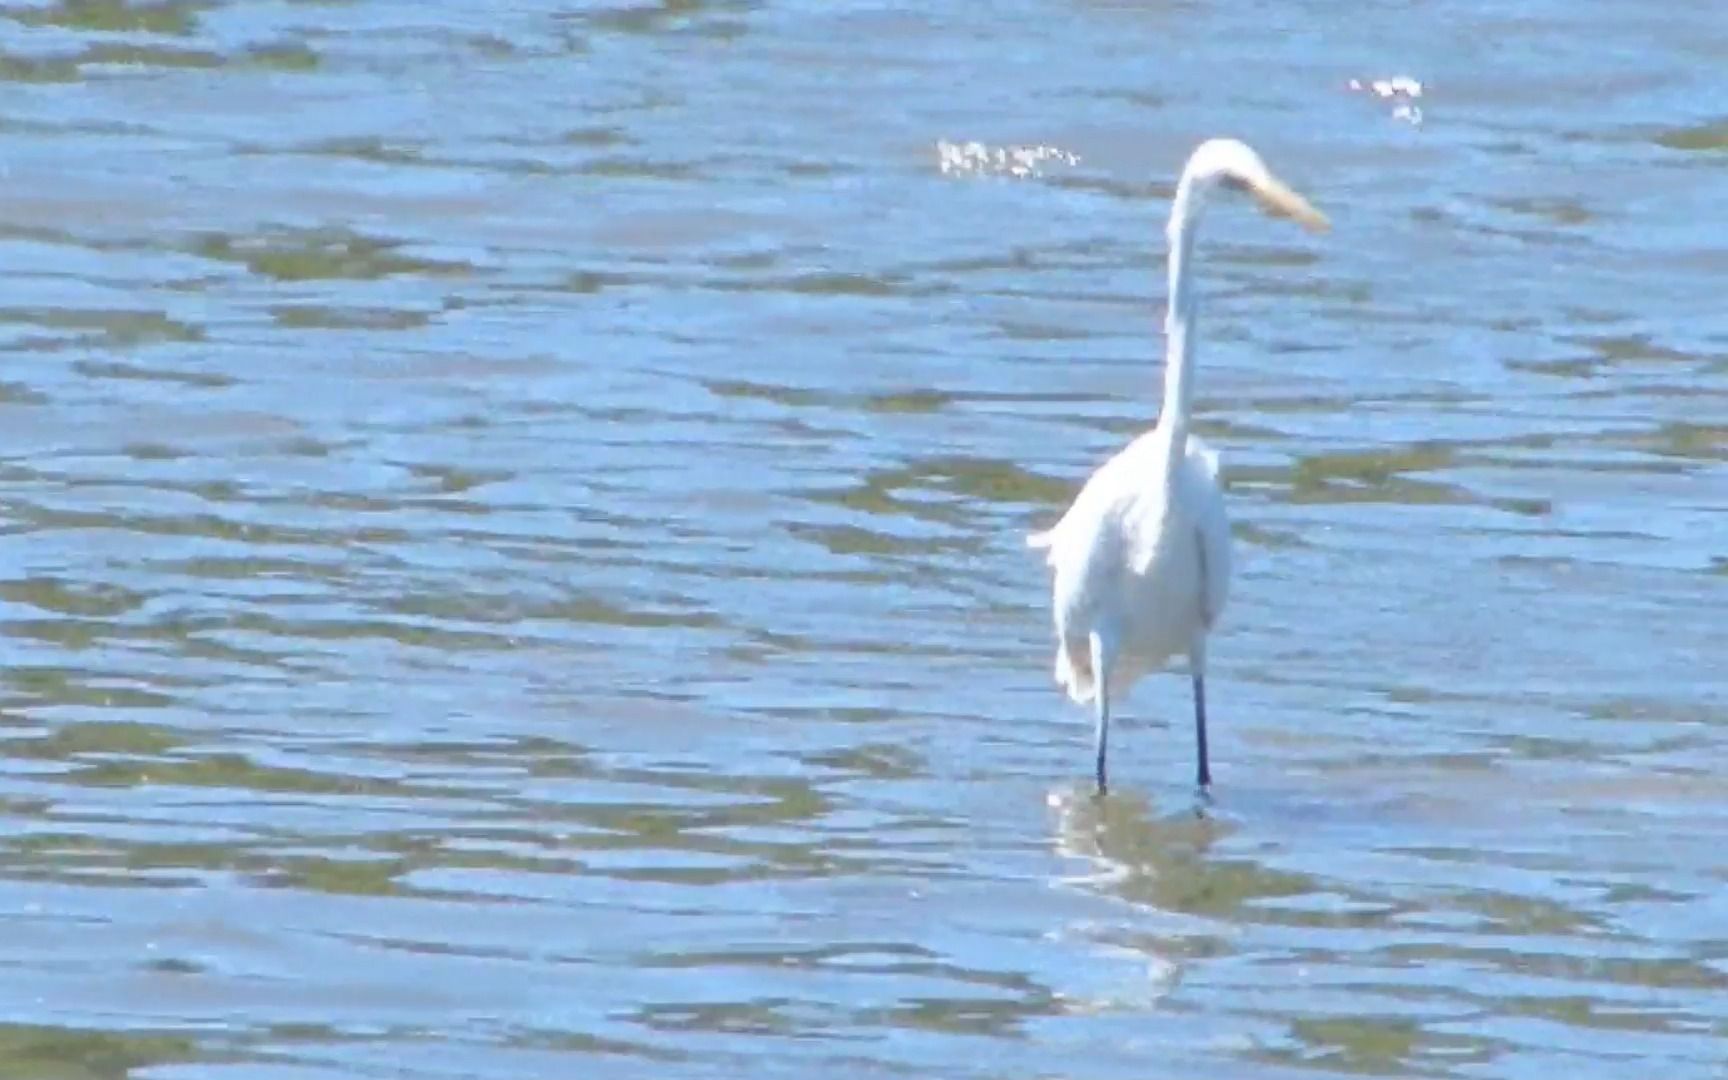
{"points": [[1141, 559], [1128, 556]]}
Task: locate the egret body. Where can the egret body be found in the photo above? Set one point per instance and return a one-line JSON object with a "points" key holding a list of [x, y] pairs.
{"points": [[1141, 559]]}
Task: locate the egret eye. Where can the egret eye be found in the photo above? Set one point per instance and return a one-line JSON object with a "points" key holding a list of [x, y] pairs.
{"points": [[1235, 183]]}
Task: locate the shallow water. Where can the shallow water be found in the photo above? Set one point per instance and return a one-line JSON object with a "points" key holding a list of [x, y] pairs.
{"points": [[510, 542]]}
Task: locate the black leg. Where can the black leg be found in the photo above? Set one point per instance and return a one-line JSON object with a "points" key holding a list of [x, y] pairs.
{"points": [[1101, 702], [1205, 769], [1103, 739], [1197, 665], [1103, 735]]}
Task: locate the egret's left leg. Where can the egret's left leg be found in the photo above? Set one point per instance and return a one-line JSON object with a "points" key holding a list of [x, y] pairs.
{"points": [[1204, 772], [1103, 657], [1197, 667]]}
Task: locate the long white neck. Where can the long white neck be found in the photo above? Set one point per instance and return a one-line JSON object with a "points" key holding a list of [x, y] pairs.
{"points": [[1179, 328]]}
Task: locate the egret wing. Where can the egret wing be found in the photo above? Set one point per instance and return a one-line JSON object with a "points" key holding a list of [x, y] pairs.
{"points": [[1086, 549], [1214, 528]]}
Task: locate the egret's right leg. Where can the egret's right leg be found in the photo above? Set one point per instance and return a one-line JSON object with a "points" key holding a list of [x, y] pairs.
{"points": [[1103, 656], [1203, 769], [1197, 670]]}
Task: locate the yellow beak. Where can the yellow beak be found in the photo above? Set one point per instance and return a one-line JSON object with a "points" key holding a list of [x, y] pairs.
{"points": [[1277, 197]]}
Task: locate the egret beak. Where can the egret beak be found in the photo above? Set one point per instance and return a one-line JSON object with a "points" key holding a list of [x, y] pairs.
{"points": [[1276, 197]]}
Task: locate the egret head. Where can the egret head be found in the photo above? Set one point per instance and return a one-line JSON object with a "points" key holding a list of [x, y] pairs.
{"points": [[1233, 164]]}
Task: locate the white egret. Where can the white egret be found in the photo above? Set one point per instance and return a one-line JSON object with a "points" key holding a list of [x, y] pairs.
{"points": [[1142, 557]]}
